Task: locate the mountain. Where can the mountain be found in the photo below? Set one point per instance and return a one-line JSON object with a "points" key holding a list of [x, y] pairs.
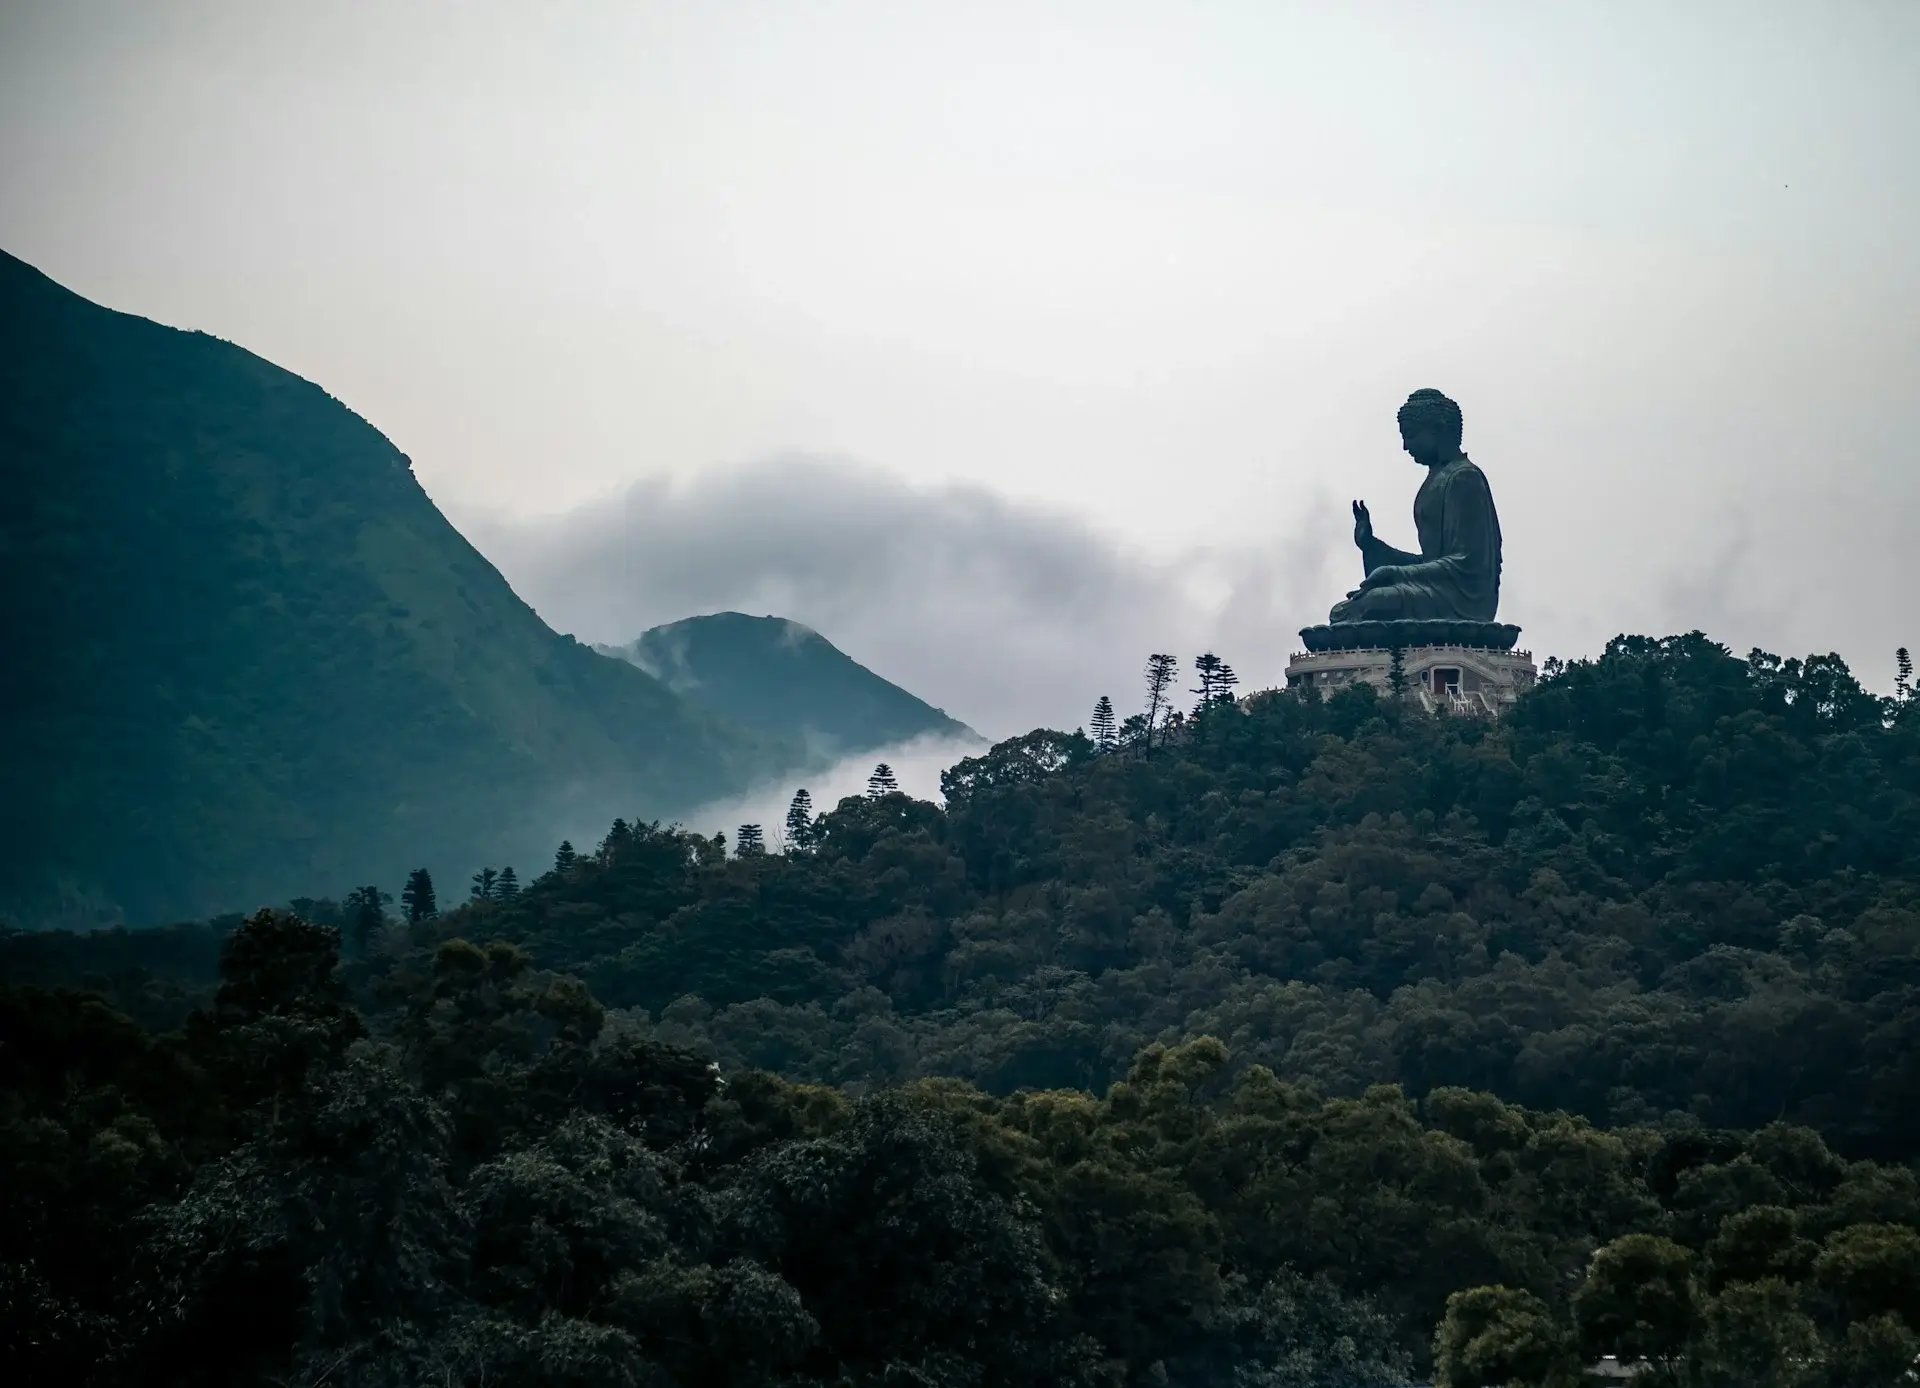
{"points": [[782, 678], [247, 656]]}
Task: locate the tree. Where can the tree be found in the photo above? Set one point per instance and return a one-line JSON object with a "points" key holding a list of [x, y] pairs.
{"points": [[416, 898], [1903, 689], [483, 884], [1208, 668], [508, 887], [1754, 1335], [1223, 682], [1102, 725], [801, 833], [1397, 670], [1495, 1336], [366, 915], [564, 857], [1159, 676], [749, 842], [1637, 1300], [882, 782], [1873, 1268]]}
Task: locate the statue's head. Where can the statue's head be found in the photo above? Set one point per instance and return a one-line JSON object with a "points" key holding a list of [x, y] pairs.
{"points": [[1430, 427]]}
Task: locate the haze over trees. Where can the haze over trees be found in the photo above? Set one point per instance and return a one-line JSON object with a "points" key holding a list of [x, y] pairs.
{"points": [[1330, 1043]]}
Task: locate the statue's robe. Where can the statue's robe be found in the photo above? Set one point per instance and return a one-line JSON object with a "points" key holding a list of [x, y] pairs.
{"points": [[1456, 574]]}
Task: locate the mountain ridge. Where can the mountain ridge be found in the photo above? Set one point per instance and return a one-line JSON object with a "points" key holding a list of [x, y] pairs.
{"points": [[241, 624], [773, 674]]}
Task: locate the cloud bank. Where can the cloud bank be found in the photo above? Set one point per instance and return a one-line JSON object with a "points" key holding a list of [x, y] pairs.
{"points": [[1007, 616]]}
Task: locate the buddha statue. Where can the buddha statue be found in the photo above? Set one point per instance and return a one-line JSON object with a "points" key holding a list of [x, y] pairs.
{"points": [[1455, 576]]}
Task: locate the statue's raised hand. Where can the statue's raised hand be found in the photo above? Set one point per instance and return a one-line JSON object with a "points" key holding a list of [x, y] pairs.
{"points": [[1362, 524]]}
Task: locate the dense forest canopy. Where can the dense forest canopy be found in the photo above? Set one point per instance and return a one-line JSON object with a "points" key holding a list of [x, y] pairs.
{"points": [[1306, 1042]]}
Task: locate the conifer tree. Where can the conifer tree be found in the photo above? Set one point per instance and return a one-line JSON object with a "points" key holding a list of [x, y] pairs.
{"points": [[508, 887], [749, 842], [1903, 689], [1160, 668], [1105, 732], [483, 884], [882, 782], [366, 915], [800, 830], [1208, 667], [1223, 682], [416, 898], [617, 835], [564, 857], [1397, 670]]}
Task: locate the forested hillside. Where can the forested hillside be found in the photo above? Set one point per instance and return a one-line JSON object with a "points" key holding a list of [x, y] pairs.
{"points": [[247, 657], [1311, 1043]]}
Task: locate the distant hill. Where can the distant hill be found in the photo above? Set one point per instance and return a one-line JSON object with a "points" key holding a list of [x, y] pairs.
{"points": [[246, 656], [784, 679]]}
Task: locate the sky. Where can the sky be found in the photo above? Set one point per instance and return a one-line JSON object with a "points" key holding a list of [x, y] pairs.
{"points": [[1006, 343]]}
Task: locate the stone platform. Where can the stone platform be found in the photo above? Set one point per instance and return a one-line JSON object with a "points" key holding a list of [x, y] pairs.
{"points": [[1464, 668]]}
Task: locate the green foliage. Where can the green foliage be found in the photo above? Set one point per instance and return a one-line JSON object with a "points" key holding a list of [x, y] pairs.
{"points": [[1638, 1300], [248, 656], [1492, 1337], [1325, 1041]]}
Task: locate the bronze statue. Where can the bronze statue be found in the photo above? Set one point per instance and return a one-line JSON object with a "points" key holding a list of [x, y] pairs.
{"points": [[1456, 575]]}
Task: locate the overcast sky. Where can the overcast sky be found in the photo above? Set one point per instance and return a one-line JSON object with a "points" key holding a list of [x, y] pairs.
{"points": [[1089, 317]]}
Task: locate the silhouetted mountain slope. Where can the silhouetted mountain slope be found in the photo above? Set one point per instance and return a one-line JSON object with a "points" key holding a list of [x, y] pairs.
{"points": [[246, 655], [783, 678]]}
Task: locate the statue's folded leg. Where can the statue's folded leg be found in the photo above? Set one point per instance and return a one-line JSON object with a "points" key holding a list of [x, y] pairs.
{"points": [[1374, 605], [1395, 602]]}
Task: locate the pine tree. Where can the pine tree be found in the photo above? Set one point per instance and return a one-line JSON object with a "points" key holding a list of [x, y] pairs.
{"points": [[800, 830], [749, 842], [1105, 733], [1903, 678], [1208, 667], [617, 835], [1133, 731], [1223, 682], [416, 898], [1397, 670], [508, 887], [483, 882], [564, 857], [881, 782], [366, 913], [1160, 670]]}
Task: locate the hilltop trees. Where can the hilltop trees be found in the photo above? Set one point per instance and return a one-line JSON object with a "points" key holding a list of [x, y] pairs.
{"points": [[1159, 677], [882, 782], [365, 913], [1101, 726], [1217, 680], [416, 898], [801, 833], [749, 842], [1329, 1038]]}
